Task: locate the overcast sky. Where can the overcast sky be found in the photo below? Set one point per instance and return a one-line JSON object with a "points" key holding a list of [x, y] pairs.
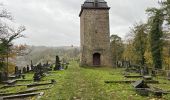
{"points": [[56, 22]]}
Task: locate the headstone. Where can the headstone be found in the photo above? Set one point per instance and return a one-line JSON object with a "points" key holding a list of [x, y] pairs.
{"points": [[24, 70], [3, 76], [16, 70], [144, 70], [39, 72], [140, 84], [0, 77], [141, 88], [28, 68], [32, 66], [153, 73], [57, 64], [37, 76], [18, 74]]}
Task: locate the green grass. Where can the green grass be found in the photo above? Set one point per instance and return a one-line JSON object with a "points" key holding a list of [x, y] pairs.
{"points": [[87, 83]]}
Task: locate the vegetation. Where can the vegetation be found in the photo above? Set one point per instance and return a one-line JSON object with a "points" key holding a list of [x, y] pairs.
{"points": [[88, 83], [148, 41], [117, 48], [7, 36], [156, 35], [140, 42]]}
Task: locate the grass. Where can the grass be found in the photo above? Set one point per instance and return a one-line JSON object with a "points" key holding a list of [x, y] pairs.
{"points": [[87, 83]]}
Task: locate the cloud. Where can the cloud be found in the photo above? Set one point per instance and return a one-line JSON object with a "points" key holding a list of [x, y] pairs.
{"points": [[56, 22]]}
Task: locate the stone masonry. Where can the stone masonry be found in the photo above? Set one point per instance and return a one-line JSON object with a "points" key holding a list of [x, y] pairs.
{"points": [[95, 34]]}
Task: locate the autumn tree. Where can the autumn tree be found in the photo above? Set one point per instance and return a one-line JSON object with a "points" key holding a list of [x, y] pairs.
{"points": [[117, 48], [140, 41], [7, 36]]}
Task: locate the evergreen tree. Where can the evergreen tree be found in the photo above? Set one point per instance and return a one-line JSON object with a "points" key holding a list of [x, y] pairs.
{"points": [[156, 21]]}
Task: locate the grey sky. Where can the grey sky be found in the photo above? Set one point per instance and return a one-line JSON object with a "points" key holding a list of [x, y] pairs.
{"points": [[56, 22]]}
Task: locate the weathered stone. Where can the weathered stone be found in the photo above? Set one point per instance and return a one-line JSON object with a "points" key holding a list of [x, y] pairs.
{"points": [[3, 76], [19, 96], [16, 70], [32, 66], [37, 76], [24, 70], [153, 73], [34, 85], [140, 84], [95, 35], [135, 76], [142, 91], [120, 81], [57, 64], [28, 68], [147, 77]]}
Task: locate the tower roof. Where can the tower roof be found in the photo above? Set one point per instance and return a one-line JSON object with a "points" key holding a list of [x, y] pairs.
{"points": [[94, 4]]}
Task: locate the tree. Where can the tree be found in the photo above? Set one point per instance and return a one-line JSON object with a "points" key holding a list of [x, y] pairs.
{"points": [[155, 36], [166, 9], [140, 41], [116, 47], [7, 36]]}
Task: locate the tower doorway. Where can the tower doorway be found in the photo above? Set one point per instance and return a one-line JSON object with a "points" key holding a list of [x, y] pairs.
{"points": [[96, 59]]}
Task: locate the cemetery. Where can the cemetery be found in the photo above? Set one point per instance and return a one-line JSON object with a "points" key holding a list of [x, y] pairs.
{"points": [[106, 64], [94, 82]]}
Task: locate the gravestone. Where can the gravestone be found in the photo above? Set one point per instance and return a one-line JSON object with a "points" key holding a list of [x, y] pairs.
{"points": [[37, 76], [0, 77], [24, 70], [16, 70], [141, 88], [39, 72], [3, 76], [32, 66], [19, 73], [153, 73], [144, 70], [28, 68], [140, 84], [57, 64]]}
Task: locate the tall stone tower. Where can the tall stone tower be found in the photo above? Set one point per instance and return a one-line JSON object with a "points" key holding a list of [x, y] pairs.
{"points": [[95, 33]]}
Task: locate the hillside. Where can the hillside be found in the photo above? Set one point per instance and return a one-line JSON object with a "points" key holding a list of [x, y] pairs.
{"points": [[43, 54]]}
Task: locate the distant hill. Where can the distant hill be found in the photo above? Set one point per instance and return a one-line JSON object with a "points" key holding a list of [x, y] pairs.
{"points": [[43, 54]]}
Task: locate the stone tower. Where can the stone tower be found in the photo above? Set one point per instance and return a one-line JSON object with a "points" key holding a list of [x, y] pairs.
{"points": [[95, 33]]}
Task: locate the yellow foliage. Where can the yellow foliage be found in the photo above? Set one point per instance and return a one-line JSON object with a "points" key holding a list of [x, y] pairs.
{"points": [[11, 68], [148, 58]]}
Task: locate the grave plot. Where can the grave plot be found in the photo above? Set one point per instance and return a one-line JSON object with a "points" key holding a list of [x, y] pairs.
{"points": [[149, 85], [26, 87], [143, 89]]}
